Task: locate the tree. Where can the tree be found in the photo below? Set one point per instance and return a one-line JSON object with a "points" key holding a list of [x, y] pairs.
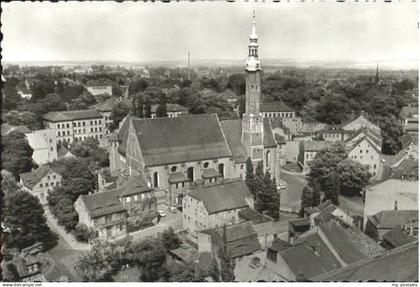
{"points": [[309, 198], [10, 97], [89, 148], [16, 154], [236, 83], [170, 239], [353, 177], [161, 109], [12, 274], [61, 206], [24, 216], [25, 118], [147, 108], [325, 162], [137, 105], [264, 193], [332, 188], [137, 86], [118, 113], [180, 272], [83, 233], [150, 258], [249, 177]]}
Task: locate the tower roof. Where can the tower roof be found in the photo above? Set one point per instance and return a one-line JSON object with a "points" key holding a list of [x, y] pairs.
{"points": [[254, 29]]}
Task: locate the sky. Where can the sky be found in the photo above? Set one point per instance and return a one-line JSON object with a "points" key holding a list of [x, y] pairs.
{"points": [[142, 32]]}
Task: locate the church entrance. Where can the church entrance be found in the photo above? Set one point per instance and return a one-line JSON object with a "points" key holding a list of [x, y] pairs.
{"points": [[222, 169]]}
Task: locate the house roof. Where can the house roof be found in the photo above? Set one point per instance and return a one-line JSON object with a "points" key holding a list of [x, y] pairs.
{"points": [[252, 215], [6, 129], [275, 106], [241, 238], [62, 151], [280, 245], [71, 115], [341, 242], [408, 111], [185, 253], [388, 219], [402, 187], [316, 145], [232, 130], [397, 237], [134, 185], [310, 257], [123, 134], [398, 265], [102, 203], [373, 139], [30, 179], [225, 196], [408, 167], [181, 139], [171, 108]]}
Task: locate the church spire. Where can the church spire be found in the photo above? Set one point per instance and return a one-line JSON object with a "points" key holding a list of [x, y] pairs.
{"points": [[377, 74], [253, 63]]}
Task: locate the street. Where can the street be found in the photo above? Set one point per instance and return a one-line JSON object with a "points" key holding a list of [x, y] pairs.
{"points": [[291, 196]]}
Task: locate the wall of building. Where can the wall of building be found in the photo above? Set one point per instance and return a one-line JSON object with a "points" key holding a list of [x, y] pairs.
{"points": [[81, 210], [365, 154], [44, 144], [291, 150]]}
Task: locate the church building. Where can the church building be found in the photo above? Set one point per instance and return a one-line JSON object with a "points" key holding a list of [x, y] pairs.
{"points": [[176, 154]]}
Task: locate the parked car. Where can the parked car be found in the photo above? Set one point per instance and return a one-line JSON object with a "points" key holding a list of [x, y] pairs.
{"points": [[281, 185], [161, 213]]}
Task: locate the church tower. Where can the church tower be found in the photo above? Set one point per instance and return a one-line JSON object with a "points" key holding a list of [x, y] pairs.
{"points": [[252, 120]]}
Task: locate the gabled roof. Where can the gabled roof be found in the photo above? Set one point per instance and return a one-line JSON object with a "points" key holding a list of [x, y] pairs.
{"points": [[171, 108], [369, 139], [241, 239], [280, 245], [181, 139], [316, 145], [397, 237], [225, 196], [30, 179], [102, 203], [134, 185], [71, 115], [388, 219], [341, 242], [275, 106], [310, 257], [398, 265]]}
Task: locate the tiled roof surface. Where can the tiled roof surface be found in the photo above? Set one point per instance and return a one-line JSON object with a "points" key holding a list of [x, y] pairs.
{"points": [[171, 108], [398, 265], [102, 203], [30, 179], [71, 115], [221, 197], [316, 145], [275, 106], [182, 139], [397, 237], [232, 130], [391, 218]]}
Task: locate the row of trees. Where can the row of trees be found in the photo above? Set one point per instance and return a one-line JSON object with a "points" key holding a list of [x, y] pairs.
{"points": [[77, 179], [332, 174], [24, 217], [263, 188]]}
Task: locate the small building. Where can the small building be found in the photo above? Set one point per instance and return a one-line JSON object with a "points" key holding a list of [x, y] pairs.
{"points": [[276, 109], [409, 116], [241, 240], [173, 110], [105, 109], [390, 195], [40, 181], [399, 236], [99, 88], [297, 227], [325, 212], [379, 224], [112, 213], [44, 144], [308, 151], [75, 125], [334, 134], [212, 206]]}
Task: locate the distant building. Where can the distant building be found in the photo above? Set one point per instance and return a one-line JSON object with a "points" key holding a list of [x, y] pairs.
{"points": [[25, 93], [409, 116], [399, 236], [173, 110], [40, 182], [392, 194], [73, 126], [44, 144], [334, 134], [215, 205], [105, 109], [99, 88], [362, 122]]}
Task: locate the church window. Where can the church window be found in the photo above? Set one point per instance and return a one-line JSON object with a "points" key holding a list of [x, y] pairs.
{"points": [[206, 164], [267, 157], [222, 169], [176, 185], [242, 166], [155, 179], [173, 169], [252, 87], [190, 174]]}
